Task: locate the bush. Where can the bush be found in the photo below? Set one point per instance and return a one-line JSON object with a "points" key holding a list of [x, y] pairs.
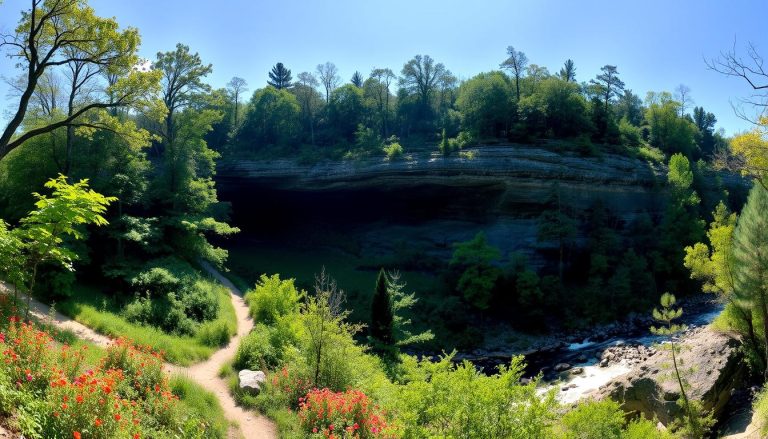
{"points": [[272, 298], [47, 389], [393, 150], [200, 302], [214, 334], [594, 420], [352, 414], [267, 347]]}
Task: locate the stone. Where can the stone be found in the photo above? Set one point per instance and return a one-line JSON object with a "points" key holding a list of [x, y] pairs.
{"points": [[251, 380], [562, 367], [577, 371], [655, 394], [604, 362]]}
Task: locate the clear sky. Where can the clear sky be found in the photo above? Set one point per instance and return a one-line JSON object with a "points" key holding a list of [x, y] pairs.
{"points": [[656, 44]]}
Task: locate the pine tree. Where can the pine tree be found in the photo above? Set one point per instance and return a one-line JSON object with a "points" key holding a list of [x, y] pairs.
{"points": [[750, 253], [381, 312], [280, 77], [357, 80]]}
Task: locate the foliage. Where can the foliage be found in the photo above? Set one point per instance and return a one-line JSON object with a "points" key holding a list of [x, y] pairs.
{"points": [[103, 314], [393, 150], [382, 314], [750, 148], [443, 400], [127, 394], [474, 260], [323, 413], [273, 298]]}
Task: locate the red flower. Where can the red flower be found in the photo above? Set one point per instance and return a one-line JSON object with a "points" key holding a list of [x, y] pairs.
{"points": [[97, 422], [117, 416], [76, 434]]}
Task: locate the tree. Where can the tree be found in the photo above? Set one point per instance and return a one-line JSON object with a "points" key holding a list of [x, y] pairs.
{"points": [[185, 185], [608, 84], [681, 225], [346, 111], [383, 79], [630, 107], [40, 235], [307, 95], [236, 86], [381, 312], [357, 79], [474, 260], [714, 264], [422, 77], [696, 424], [750, 250], [751, 70], [485, 104], [568, 72], [280, 77], [683, 96], [705, 122], [566, 110], [516, 62], [68, 34], [329, 77], [555, 224], [273, 118], [750, 152], [400, 303], [182, 82], [668, 131]]}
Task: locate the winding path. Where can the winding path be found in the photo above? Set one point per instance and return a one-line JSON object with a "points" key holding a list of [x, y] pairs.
{"points": [[249, 424]]}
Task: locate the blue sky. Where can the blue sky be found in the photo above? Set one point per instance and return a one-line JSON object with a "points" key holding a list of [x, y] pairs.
{"points": [[655, 44]]}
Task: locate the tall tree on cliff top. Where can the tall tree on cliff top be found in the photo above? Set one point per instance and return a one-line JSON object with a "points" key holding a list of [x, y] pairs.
{"points": [[516, 62], [608, 84], [236, 86], [568, 72], [357, 79], [280, 77], [67, 34], [329, 77]]}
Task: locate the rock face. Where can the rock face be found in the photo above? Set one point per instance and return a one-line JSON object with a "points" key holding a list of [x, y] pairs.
{"points": [[651, 390], [251, 381], [430, 201]]}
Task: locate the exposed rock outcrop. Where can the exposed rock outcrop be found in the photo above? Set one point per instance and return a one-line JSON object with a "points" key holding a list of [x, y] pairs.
{"points": [[649, 389]]}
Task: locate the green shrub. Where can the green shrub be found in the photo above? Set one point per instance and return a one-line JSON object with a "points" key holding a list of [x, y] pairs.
{"points": [[393, 150], [594, 420], [267, 347], [444, 400], [272, 298], [200, 301], [214, 334]]}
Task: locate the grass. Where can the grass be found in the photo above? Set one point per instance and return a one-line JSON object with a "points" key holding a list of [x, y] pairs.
{"points": [[200, 403], [101, 313]]}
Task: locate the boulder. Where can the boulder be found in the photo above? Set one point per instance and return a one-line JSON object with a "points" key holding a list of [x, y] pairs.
{"points": [[577, 371], [562, 367], [251, 381], [653, 394]]}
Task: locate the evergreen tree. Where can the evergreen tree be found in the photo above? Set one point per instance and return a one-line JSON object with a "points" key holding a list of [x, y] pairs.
{"points": [[750, 252], [381, 312], [568, 72], [280, 77], [357, 80]]}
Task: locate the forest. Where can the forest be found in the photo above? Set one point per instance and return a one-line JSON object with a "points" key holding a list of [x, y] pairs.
{"points": [[111, 220]]}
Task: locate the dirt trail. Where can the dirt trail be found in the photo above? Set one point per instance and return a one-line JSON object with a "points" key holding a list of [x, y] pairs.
{"points": [[250, 425]]}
